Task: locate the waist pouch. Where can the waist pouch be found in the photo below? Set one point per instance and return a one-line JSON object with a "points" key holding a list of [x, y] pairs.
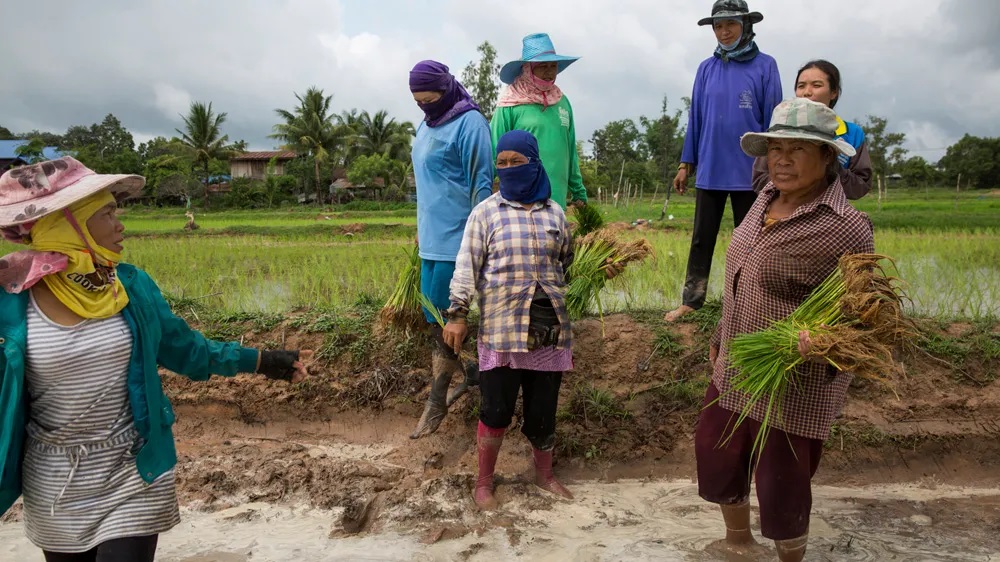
{"points": [[543, 325]]}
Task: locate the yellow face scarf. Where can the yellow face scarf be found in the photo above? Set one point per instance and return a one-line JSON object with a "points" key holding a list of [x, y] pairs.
{"points": [[89, 285]]}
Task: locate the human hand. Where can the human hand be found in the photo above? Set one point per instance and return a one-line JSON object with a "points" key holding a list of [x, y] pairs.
{"points": [[713, 354], [805, 345], [454, 334], [612, 269], [284, 365], [680, 181], [578, 203]]}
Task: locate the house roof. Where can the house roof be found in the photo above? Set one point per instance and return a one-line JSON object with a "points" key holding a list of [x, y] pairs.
{"points": [[265, 155], [8, 150]]}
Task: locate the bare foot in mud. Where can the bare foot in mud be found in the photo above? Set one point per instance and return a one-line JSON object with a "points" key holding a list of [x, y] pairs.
{"points": [[723, 550], [677, 313]]}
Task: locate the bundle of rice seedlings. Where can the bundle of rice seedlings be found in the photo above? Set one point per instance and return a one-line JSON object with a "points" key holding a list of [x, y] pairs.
{"points": [[855, 322], [588, 219], [403, 309], [593, 255]]}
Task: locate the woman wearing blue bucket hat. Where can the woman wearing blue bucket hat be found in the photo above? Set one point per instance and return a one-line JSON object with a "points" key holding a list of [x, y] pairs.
{"points": [[735, 91], [532, 102]]}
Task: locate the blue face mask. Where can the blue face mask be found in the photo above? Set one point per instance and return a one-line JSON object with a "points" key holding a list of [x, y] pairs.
{"points": [[527, 183]]}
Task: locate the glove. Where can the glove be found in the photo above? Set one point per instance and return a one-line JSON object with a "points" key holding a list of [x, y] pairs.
{"points": [[278, 365]]}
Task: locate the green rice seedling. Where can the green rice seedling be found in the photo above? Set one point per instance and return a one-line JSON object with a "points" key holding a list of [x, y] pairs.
{"points": [[402, 310], [855, 321], [588, 274], [588, 219]]}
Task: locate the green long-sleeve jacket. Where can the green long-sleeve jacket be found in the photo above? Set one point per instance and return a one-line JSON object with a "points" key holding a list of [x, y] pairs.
{"points": [[159, 338], [556, 133]]}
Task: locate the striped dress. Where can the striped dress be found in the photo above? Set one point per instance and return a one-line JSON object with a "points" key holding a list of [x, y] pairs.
{"points": [[81, 485]]}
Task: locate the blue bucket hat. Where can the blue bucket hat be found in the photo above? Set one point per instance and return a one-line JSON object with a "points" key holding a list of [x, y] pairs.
{"points": [[536, 47]]}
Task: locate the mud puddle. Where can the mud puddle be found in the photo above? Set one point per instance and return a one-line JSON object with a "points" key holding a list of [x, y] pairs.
{"points": [[626, 520]]}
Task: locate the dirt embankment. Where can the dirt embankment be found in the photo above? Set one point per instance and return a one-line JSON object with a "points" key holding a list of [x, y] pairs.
{"points": [[340, 440]]}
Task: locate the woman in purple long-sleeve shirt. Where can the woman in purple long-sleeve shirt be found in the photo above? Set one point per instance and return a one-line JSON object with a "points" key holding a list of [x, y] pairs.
{"points": [[735, 91]]}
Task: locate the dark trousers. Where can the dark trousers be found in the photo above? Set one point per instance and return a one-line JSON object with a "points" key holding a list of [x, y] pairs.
{"points": [[540, 389], [783, 471], [127, 549], [709, 207]]}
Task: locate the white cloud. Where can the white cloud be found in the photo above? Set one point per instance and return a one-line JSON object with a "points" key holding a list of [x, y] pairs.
{"points": [[170, 100]]}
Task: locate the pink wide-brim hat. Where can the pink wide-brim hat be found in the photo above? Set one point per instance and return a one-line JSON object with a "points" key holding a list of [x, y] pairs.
{"points": [[28, 193]]}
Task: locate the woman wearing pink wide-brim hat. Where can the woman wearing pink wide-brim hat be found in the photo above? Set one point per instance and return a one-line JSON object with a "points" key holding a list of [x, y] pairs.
{"points": [[85, 428]]}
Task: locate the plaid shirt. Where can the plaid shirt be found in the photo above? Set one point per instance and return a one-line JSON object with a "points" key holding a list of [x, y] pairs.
{"points": [[507, 250], [768, 275]]}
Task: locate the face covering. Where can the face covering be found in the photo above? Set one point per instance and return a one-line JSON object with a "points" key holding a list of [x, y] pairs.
{"points": [[527, 183], [89, 285]]}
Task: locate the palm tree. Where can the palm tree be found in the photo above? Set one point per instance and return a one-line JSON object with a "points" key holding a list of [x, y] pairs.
{"points": [[202, 135], [311, 129], [381, 134]]}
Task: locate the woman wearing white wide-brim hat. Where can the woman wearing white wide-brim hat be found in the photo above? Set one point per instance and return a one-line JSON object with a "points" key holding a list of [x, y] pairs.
{"points": [[85, 428], [533, 102]]}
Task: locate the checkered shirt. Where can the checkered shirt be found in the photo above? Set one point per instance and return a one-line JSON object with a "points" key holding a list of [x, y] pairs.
{"points": [[768, 275], [507, 250]]}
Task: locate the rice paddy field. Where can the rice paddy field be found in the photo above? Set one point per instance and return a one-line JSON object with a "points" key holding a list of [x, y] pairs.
{"points": [[947, 249]]}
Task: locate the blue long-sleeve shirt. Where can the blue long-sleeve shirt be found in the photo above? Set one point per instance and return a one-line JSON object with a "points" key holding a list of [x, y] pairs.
{"points": [[729, 99], [453, 168]]}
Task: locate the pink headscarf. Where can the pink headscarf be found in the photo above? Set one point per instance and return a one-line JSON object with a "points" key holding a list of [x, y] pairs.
{"points": [[528, 89]]}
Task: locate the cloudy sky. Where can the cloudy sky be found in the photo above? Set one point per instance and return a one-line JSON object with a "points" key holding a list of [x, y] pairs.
{"points": [[931, 66]]}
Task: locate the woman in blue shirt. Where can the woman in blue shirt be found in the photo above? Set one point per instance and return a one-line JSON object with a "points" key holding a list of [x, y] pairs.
{"points": [[735, 91], [453, 168], [819, 80]]}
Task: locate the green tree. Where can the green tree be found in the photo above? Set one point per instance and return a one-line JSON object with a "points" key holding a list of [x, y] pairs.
{"points": [[917, 171], [664, 140], [976, 158], [381, 134], [614, 144], [31, 151], [202, 135], [482, 79], [311, 129], [5, 134], [106, 147], [881, 143], [49, 139]]}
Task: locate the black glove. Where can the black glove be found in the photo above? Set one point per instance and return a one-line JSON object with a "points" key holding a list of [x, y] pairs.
{"points": [[279, 365]]}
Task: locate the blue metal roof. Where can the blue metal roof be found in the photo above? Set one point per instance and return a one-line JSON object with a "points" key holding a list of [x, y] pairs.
{"points": [[8, 149]]}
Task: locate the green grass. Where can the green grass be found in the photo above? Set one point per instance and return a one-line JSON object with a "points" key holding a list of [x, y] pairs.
{"points": [[276, 261]]}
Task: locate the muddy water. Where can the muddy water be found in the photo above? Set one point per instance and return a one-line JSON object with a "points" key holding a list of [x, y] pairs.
{"points": [[627, 520]]}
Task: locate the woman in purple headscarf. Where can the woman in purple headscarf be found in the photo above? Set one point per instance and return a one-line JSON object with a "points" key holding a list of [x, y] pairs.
{"points": [[453, 168]]}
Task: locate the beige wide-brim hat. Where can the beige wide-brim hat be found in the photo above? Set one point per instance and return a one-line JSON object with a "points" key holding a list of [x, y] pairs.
{"points": [[798, 119], [28, 193]]}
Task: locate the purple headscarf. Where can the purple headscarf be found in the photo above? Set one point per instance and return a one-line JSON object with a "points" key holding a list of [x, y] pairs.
{"points": [[432, 76]]}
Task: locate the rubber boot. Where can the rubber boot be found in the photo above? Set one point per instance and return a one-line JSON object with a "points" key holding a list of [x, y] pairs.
{"points": [[471, 379], [792, 550], [488, 441], [437, 403], [543, 474]]}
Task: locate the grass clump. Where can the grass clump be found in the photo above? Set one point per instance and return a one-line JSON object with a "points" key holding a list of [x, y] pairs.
{"points": [[589, 403], [855, 321], [403, 309], [595, 254]]}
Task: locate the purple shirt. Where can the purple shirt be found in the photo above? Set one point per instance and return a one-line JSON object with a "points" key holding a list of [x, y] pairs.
{"points": [[729, 99]]}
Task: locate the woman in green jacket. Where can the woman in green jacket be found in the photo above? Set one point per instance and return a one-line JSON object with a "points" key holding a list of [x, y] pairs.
{"points": [[85, 428], [532, 102]]}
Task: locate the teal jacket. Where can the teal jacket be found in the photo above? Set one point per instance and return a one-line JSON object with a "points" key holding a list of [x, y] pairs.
{"points": [[159, 338]]}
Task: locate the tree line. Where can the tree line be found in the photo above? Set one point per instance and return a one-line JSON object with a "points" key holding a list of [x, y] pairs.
{"points": [[180, 168], [642, 153]]}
